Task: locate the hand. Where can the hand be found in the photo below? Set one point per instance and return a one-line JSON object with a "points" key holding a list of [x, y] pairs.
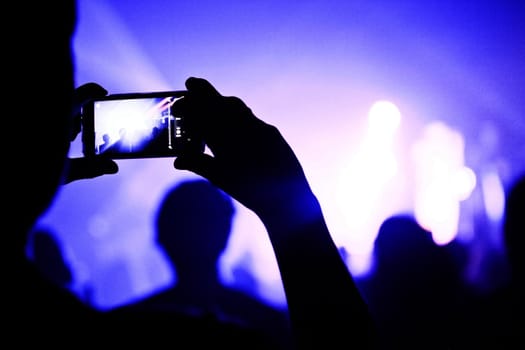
{"points": [[86, 168], [254, 164], [250, 159], [81, 95]]}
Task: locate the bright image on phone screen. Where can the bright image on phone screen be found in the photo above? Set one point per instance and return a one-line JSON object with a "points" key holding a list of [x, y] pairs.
{"points": [[144, 127]]}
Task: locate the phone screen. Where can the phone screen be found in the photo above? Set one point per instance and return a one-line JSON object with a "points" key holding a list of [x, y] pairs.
{"points": [[135, 126]]}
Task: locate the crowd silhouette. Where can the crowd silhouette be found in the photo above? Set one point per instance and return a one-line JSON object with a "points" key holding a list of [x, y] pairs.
{"points": [[249, 160], [412, 290], [496, 317], [412, 300], [418, 295], [193, 226]]}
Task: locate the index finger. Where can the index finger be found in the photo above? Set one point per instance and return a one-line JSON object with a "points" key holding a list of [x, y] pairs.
{"points": [[201, 87]]}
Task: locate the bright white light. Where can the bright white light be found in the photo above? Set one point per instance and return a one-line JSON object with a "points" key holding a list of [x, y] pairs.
{"points": [[383, 120], [126, 120], [363, 182], [441, 181], [465, 182]]}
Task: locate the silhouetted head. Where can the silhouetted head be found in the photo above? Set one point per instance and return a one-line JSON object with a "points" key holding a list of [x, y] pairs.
{"points": [[514, 227], [40, 96], [194, 222], [401, 240]]}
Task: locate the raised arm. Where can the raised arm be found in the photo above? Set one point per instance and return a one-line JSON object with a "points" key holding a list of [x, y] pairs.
{"points": [[253, 163]]}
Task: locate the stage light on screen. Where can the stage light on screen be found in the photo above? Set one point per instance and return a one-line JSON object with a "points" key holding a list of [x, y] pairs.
{"points": [[124, 121]]}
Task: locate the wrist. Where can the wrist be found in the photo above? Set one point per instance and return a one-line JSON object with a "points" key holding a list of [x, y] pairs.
{"points": [[291, 213]]}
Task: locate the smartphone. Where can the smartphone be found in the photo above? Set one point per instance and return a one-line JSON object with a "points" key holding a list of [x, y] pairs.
{"points": [[136, 125]]}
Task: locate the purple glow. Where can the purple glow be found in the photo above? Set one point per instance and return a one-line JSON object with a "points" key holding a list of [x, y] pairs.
{"points": [[313, 69]]}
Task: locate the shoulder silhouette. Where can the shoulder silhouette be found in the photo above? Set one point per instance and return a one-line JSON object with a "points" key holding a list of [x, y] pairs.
{"points": [[411, 290], [193, 226], [46, 252]]}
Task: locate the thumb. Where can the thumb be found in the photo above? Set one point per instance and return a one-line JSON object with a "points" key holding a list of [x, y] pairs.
{"points": [[88, 91], [89, 168], [200, 163], [84, 93]]}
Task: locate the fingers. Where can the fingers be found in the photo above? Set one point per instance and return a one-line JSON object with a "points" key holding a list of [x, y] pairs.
{"points": [[201, 87], [88, 168], [200, 163], [81, 95], [88, 91]]}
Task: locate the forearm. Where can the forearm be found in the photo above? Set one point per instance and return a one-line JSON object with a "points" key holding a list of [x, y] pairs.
{"points": [[325, 305], [254, 164]]}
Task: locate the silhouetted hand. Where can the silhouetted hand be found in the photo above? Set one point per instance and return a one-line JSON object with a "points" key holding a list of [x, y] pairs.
{"points": [[88, 168], [91, 167], [250, 159], [254, 164]]}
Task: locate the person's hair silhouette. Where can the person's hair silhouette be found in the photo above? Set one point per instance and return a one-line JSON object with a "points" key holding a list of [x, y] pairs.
{"points": [[411, 291], [193, 226]]}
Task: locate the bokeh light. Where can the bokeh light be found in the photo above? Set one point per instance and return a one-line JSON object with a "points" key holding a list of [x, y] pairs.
{"points": [[392, 107]]}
